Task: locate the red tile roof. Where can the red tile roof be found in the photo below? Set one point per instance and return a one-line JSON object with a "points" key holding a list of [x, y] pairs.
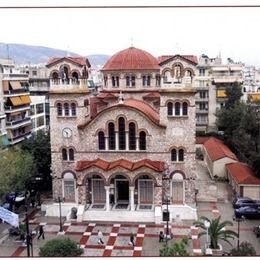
{"points": [[131, 59], [190, 58], [202, 139], [135, 104], [78, 60], [242, 173], [216, 149], [128, 165], [106, 95], [152, 95]]}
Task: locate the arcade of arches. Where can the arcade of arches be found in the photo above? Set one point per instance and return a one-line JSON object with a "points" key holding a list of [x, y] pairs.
{"points": [[121, 191]]}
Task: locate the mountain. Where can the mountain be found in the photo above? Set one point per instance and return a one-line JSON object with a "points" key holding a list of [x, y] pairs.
{"points": [[25, 54]]}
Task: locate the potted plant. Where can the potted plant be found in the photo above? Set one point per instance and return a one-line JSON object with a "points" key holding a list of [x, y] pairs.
{"points": [[216, 231]]}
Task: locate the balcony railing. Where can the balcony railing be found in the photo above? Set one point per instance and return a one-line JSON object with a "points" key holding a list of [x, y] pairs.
{"points": [[9, 109], [18, 122], [16, 91], [19, 137]]}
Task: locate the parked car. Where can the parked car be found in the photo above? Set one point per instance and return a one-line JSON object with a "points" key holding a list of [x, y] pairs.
{"points": [[239, 202], [256, 230], [248, 212]]}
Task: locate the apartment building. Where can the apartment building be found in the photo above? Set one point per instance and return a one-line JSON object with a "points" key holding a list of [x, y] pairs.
{"points": [[15, 102]]}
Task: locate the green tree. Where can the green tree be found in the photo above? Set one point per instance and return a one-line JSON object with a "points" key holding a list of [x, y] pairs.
{"points": [[60, 247], [17, 167], [245, 249], [216, 230], [233, 93], [178, 248], [39, 147]]}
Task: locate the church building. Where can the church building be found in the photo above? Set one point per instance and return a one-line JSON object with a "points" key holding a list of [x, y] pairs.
{"points": [[128, 152]]}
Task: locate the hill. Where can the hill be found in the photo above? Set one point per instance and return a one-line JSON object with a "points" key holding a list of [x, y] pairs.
{"points": [[25, 54]]}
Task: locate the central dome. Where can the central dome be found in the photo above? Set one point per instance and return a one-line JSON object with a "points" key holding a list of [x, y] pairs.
{"points": [[132, 59]]}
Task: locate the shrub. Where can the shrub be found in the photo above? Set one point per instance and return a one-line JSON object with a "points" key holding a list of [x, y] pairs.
{"points": [[59, 247], [245, 249], [178, 248]]}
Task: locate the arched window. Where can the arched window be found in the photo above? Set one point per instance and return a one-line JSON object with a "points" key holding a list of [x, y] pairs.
{"points": [[69, 187], [73, 109], [71, 154], [169, 108], [121, 133], [142, 141], [111, 136], [64, 154], [113, 81], [127, 81], [181, 155], [177, 188], [101, 141], [133, 81], [177, 108], [148, 80], [144, 80], [167, 77], [66, 109], [173, 155], [59, 109], [184, 108], [132, 136]]}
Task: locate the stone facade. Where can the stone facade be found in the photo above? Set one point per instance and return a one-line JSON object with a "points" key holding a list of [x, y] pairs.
{"points": [[93, 115]]}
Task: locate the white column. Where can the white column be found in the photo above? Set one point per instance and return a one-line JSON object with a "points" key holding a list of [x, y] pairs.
{"points": [[107, 198], [106, 143], [132, 204], [127, 140], [117, 141], [137, 143]]}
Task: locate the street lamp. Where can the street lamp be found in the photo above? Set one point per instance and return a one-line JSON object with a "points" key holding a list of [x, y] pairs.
{"points": [[61, 228], [207, 225], [166, 214], [238, 220], [29, 238]]}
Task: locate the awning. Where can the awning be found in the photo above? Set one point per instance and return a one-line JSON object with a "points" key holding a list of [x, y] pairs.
{"points": [[221, 93], [220, 68], [254, 97], [26, 99], [15, 84], [5, 85], [227, 79], [16, 101]]}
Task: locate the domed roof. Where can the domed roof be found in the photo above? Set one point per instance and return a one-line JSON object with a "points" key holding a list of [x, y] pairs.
{"points": [[132, 59]]}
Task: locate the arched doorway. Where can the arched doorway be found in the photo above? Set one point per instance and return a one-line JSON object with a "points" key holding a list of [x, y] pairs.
{"points": [[120, 192], [177, 188], [145, 186]]}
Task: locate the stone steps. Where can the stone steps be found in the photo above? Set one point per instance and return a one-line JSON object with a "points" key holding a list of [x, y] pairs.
{"points": [[119, 216]]}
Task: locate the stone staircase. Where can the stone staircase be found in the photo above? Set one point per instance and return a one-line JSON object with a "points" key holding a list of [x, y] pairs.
{"points": [[119, 216]]}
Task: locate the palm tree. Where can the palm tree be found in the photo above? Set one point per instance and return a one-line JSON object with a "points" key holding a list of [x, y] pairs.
{"points": [[216, 230]]}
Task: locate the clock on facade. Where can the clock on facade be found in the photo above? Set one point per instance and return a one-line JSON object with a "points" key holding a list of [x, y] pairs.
{"points": [[66, 132]]}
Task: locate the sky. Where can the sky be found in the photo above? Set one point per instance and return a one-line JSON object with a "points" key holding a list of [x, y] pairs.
{"points": [[231, 32]]}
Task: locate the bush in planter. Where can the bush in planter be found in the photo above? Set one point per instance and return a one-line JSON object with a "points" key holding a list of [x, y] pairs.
{"points": [[245, 249], [59, 247], [178, 248], [216, 231]]}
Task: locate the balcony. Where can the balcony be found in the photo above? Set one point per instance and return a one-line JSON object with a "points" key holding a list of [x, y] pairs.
{"points": [[201, 99], [2, 115], [201, 123], [19, 137], [11, 109], [68, 85], [227, 79], [18, 123], [201, 111], [14, 92]]}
